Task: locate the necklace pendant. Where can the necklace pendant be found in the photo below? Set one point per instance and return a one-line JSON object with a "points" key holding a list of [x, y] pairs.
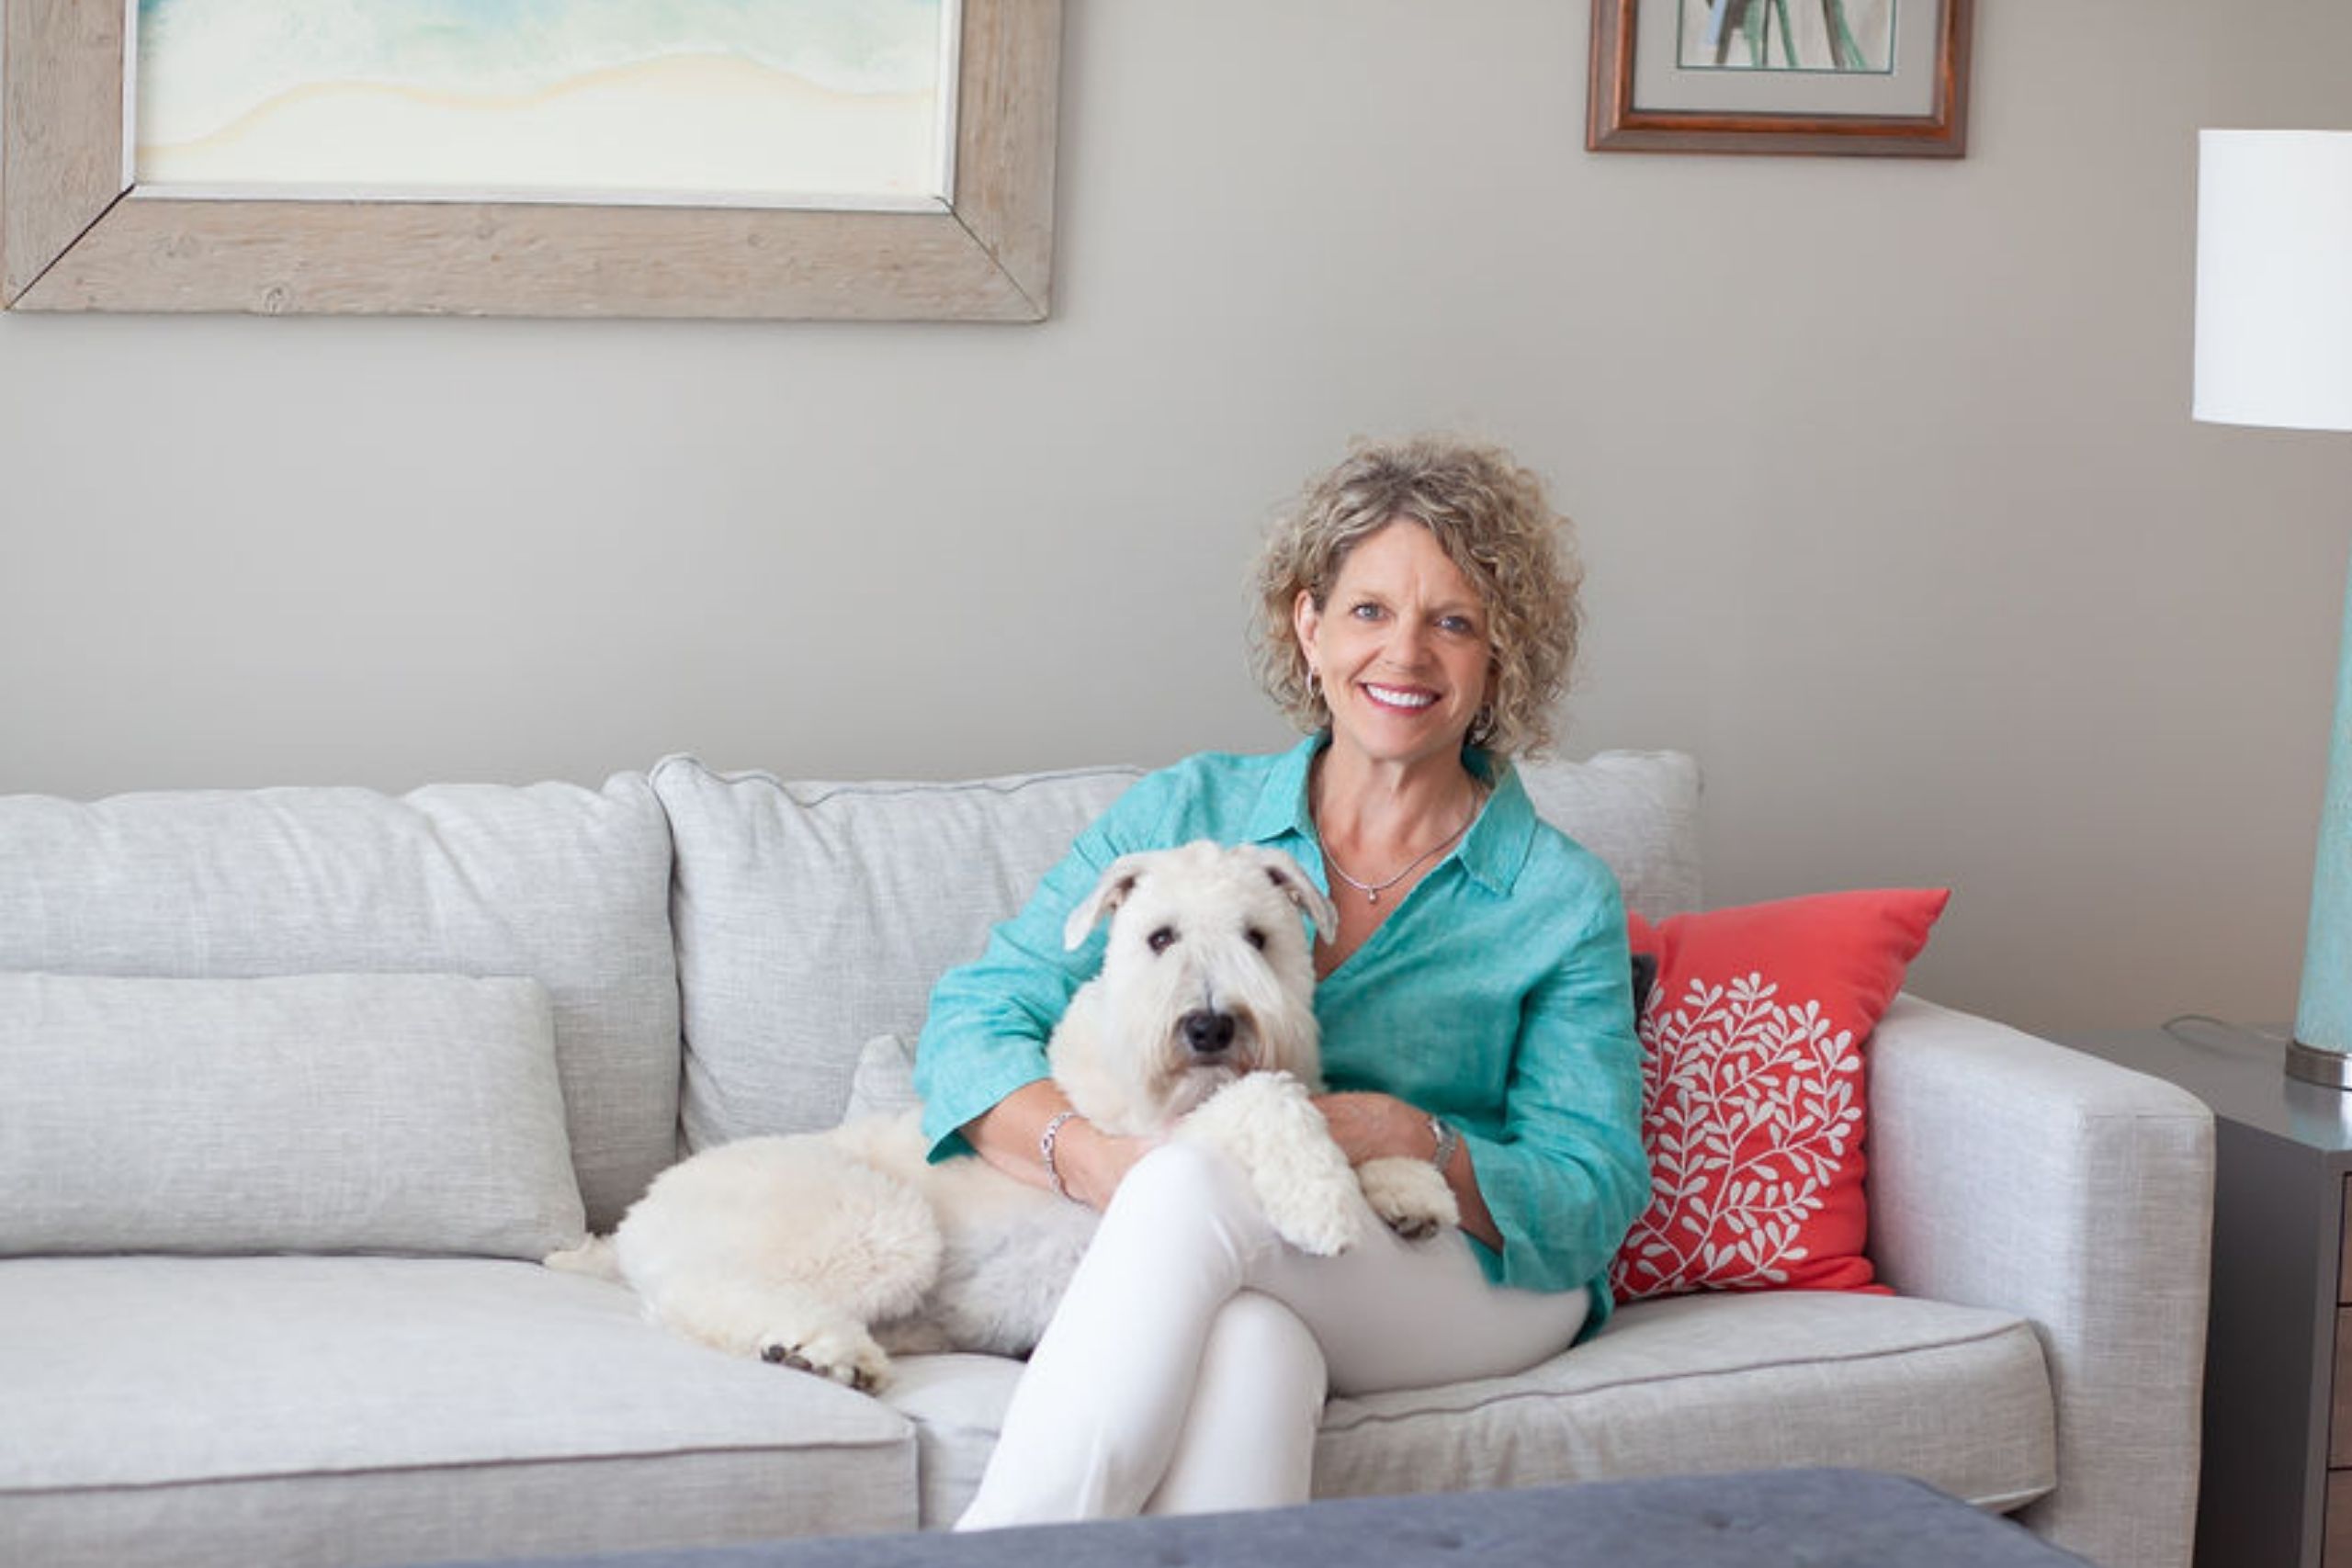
{"points": [[1372, 895]]}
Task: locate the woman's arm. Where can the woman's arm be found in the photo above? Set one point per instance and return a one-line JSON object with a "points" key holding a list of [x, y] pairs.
{"points": [[1550, 1189], [984, 1036], [1564, 1176], [980, 1065]]}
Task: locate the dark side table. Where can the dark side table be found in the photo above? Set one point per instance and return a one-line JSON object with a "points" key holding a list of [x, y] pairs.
{"points": [[2277, 1480]]}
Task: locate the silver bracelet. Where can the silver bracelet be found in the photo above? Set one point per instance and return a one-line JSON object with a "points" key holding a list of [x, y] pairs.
{"points": [[1046, 1151], [1448, 1140]]}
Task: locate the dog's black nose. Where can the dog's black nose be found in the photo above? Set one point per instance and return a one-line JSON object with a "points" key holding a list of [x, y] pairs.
{"points": [[1206, 1031]]}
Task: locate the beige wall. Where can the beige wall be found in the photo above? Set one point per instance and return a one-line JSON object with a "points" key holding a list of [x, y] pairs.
{"points": [[1894, 512]]}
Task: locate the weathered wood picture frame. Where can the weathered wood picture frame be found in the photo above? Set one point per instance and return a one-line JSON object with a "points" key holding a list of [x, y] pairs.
{"points": [[78, 234]]}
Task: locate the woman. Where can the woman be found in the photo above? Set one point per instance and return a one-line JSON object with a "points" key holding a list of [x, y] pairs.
{"points": [[1419, 616]]}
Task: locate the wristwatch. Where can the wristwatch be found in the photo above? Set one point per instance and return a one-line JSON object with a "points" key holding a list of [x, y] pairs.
{"points": [[1448, 1140]]}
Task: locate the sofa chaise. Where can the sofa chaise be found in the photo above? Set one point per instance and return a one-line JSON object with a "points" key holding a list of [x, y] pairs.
{"points": [[298, 1085]]}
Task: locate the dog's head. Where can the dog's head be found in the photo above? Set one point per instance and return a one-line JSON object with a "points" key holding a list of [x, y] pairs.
{"points": [[1209, 972]]}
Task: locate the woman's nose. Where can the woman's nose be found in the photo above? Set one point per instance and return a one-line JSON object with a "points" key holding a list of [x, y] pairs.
{"points": [[1409, 643]]}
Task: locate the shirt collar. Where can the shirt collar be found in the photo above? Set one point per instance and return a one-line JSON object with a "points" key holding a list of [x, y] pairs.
{"points": [[1498, 843], [1281, 806], [1492, 851]]}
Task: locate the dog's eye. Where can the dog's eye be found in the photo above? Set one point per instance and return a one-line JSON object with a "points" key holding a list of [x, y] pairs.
{"points": [[1161, 940], [1256, 938]]}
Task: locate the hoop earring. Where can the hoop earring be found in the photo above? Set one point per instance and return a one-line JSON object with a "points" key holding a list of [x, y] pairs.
{"points": [[1314, 685], [1482, 727]]}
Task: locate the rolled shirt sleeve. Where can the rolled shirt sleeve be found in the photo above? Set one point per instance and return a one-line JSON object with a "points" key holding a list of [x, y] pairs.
{"points": [[1565, 1175], [985, 1034]]}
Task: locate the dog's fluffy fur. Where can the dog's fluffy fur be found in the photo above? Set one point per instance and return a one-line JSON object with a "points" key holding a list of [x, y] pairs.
{"points": [[827, 1251]]}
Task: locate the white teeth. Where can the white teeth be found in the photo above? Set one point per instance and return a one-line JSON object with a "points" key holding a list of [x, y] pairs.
{"points": [[1395, 698]]}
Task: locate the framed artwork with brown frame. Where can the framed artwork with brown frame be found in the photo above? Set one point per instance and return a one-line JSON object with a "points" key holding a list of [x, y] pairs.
{"points": [[80, 231], [1871, 78]]}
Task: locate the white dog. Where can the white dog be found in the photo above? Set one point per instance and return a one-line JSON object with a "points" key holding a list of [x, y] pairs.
{"points": [[820, 1250]]}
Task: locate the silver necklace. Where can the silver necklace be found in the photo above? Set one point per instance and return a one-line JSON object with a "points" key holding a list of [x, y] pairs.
{"points": [[1373, 890]]}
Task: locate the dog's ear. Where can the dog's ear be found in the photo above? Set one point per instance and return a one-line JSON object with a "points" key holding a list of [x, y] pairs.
{"points": [[1098, 905], [1299, 890]]}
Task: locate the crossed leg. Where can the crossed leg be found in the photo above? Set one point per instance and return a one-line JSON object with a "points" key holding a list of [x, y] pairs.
{"points": [[1186, 1366]]}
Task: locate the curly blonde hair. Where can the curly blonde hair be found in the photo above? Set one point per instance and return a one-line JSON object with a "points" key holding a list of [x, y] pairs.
{"points": [[1490, 516]]}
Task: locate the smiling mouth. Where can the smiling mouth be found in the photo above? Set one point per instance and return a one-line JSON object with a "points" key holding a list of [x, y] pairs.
{"points": [[1400, 699]]}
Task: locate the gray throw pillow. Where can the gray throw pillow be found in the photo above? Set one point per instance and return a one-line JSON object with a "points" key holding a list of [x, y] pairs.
{"points": [[884, 1083], [412, 1113]]}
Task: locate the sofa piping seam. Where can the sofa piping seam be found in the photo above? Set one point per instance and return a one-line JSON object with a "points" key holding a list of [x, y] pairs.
{"points": [[429, 1467], [878, 790], [1518, 1396]]}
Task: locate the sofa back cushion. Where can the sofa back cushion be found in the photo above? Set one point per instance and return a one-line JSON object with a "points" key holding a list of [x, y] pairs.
{"points": [[813, 917], [563, 884], [411, 1113]]}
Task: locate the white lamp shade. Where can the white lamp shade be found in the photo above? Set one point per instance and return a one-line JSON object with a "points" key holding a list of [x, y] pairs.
{"points": [[2274, 278]]}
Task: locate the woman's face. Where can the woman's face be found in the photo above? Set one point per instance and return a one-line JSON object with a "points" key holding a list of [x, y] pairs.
{"points": [[1401, 645]]}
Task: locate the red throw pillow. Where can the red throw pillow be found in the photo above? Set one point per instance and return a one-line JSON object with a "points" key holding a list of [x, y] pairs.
{"points": [[1752, 1089]]}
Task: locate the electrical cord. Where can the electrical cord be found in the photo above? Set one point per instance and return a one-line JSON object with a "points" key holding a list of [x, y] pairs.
{"points": [[2258, 1042]]}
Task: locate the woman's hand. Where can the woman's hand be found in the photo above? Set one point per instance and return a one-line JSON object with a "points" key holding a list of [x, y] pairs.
{"points": [[1372, 1126], [1091, 1162], [1376, 1127]]}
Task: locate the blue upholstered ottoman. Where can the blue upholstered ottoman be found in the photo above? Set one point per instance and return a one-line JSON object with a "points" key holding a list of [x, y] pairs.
{"points": [[1821, 1518]]}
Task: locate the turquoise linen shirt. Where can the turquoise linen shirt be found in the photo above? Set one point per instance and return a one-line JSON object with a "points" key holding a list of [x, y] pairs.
{"points": [[1498, 995]]}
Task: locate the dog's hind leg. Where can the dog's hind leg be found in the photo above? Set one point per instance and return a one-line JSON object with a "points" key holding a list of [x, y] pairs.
{"points": [[785, 1249], [789, 1325]]}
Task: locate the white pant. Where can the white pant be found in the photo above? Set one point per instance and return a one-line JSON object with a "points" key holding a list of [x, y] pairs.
{"points": [[1185, 1369]]}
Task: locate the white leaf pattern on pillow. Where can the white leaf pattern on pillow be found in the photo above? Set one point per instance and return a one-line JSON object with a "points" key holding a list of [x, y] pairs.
{"points": [[1747, 1108]]}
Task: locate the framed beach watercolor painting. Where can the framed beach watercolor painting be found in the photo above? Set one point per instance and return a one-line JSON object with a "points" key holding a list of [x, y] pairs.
{"points": [[782, 158], [1885, 78], [774, 103]]}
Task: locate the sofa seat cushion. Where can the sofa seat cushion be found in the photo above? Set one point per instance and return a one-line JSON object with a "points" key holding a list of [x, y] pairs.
{"points": [[371, 1410], [1958, 1397]]}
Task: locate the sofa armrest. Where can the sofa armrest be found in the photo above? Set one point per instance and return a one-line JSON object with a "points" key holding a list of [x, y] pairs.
{"points": [[2010, 1172]]}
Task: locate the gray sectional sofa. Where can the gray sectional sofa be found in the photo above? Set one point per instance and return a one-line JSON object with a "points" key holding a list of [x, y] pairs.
{"points": [[296, 1085]]}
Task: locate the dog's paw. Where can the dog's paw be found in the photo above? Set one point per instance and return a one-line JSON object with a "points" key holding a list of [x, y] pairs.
{"points": [[848, 1356], [1322, 1219], [1306, 1186], [1268, 1124], [1410, 1196]]}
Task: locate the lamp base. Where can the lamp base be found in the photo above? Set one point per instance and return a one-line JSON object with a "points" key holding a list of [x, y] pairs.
{"points": [[2310, 1064], [2324, 1007]]}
